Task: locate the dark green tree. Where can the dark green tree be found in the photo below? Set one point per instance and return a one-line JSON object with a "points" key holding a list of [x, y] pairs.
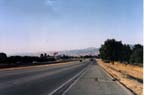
{"points": [[137, 46], [111, 50], [126, 53], [3, 57], [137, 54], [41, 55]]}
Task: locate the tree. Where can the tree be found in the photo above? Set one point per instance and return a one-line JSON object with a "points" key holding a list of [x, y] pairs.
{"points": [[45, 55], [126, 53], [137, 54], [41, 55], [111, 50], [3, 57], [137, 46], [14, 59]]}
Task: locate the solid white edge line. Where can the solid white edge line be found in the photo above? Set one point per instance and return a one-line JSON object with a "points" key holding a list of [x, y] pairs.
{"points": [[75, 82], [54, 91]]}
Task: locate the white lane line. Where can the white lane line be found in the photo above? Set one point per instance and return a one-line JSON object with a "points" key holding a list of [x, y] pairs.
{"points": [[61, 86], [64, 93]]}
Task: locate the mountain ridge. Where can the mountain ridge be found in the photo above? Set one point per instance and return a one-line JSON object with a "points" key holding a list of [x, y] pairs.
{"points": [[74, 52]]}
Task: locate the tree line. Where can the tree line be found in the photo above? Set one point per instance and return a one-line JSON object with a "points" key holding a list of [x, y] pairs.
{"points": [[4, 59], [113, 50]]}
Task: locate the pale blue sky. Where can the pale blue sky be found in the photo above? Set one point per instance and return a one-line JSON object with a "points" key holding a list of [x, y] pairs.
{"points": [[52, 25]]}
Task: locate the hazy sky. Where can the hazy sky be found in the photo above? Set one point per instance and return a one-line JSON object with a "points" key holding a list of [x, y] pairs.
{"points": [[47, 25]]}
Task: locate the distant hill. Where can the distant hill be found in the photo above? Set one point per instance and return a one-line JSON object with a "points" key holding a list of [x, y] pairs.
{"points": [[78, 52], [75, 52]]}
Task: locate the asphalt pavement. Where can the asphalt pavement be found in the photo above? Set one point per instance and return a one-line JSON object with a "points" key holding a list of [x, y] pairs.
{"points": [[97, 82], [40, 80]]}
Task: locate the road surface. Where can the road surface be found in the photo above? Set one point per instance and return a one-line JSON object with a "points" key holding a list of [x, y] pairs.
{"points": [[40, 80], [97, 82]]}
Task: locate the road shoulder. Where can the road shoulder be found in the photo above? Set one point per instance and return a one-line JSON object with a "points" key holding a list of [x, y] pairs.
{"points": [[121, 73], [96, 82]]}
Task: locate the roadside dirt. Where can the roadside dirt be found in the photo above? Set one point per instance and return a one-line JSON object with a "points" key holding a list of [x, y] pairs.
{"points": [[131, 76]]}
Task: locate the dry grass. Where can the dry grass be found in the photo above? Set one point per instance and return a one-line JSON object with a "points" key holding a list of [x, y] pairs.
{"points": [[129, 75]]}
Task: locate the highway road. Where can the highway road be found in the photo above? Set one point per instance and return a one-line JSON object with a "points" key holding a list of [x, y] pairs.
{"points": [[39, 80]]}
